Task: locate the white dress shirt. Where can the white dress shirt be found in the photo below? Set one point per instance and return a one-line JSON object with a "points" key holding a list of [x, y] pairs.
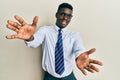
{"points": [[72, 47]]}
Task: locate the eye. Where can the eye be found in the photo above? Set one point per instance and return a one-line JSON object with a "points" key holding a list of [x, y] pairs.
{"points": [[69, 15], [62, 14]]}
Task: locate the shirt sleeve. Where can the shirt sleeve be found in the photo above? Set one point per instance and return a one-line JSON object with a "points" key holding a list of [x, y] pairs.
{"points": [[38, 38], [78, 47]]}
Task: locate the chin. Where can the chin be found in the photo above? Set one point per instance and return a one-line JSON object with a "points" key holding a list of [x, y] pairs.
{"points": [[63, 26]]}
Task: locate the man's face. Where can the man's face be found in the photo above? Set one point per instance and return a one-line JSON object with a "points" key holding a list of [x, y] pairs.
{"points": [[63, 16]]}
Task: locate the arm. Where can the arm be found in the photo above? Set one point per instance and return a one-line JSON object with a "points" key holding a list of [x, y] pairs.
{"points": [[83, 61]]}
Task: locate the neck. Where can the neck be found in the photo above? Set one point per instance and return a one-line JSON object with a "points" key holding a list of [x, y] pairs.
{"points": [[59, 26]]}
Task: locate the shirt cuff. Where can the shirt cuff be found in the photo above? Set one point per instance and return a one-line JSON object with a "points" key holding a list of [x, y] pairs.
{"points": [[30, 44], [78, 53]]}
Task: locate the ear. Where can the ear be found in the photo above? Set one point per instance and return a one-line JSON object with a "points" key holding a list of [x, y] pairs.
{"points": [[56, 15]]}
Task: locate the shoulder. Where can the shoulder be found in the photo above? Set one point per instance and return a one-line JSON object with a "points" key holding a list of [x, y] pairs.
{"points": [[45, 28], [73, 33]]}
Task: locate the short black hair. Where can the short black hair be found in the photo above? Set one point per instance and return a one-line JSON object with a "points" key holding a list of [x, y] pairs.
{"points": [[65, 5]]}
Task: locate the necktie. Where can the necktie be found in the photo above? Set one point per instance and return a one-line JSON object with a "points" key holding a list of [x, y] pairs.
{"points": [[59, 57]]}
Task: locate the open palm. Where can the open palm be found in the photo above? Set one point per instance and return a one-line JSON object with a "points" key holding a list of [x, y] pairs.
{"points": [[83, 62], [24, 31]]}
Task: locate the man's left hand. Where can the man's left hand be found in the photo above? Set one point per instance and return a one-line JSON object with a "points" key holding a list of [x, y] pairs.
{"points": [[85, 63]]}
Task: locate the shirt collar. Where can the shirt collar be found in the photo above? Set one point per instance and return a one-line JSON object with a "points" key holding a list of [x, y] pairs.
{"points": [[64, 30]]}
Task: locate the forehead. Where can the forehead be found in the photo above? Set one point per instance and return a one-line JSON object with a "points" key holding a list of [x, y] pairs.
{"points": [[66, 10]]}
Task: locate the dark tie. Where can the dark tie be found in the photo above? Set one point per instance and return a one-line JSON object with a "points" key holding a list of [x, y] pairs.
{"points": [[59, 56]]}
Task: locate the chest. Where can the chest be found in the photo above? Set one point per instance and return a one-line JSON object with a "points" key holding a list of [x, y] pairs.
{"points": [[67, 39]]}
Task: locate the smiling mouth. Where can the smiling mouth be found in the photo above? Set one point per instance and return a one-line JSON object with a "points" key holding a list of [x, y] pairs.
{"points": [[63, 22]]}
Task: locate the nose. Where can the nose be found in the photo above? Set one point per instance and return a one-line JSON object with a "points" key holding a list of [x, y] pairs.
{"points": [[65, 17]]}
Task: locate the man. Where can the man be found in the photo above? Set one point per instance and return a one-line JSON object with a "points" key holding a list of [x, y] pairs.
{"points": [[61, 47]]}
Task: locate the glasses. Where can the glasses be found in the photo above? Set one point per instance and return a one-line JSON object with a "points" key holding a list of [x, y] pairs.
{"points": [[62, 14]]}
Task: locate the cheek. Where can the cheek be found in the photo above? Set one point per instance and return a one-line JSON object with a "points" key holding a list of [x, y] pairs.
{"points": [[68, 20]]}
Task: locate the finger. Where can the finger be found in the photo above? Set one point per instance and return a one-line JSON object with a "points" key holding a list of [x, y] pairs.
{"points": [[94, 68], [83, 71], [90, 51], [96, 62], [14, 24], [89, 69], [11, 36], [21, 21], [35, 20], [12, 28]]}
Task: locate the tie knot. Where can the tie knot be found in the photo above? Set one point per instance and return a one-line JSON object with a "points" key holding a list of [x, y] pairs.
{"points": [[60, 30]]}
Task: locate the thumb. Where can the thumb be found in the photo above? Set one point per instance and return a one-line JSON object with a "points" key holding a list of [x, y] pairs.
{"points": [[35, 20], [91, 51]]}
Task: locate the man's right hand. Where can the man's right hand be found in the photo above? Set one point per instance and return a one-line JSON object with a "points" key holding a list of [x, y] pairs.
{"points": [[24, 31]]}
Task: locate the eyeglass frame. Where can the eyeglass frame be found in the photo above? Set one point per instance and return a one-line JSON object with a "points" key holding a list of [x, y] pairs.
{"points": [[65, 14]]}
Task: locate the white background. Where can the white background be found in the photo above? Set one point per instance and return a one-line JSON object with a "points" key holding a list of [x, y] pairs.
{"points": [[98, 22]]}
